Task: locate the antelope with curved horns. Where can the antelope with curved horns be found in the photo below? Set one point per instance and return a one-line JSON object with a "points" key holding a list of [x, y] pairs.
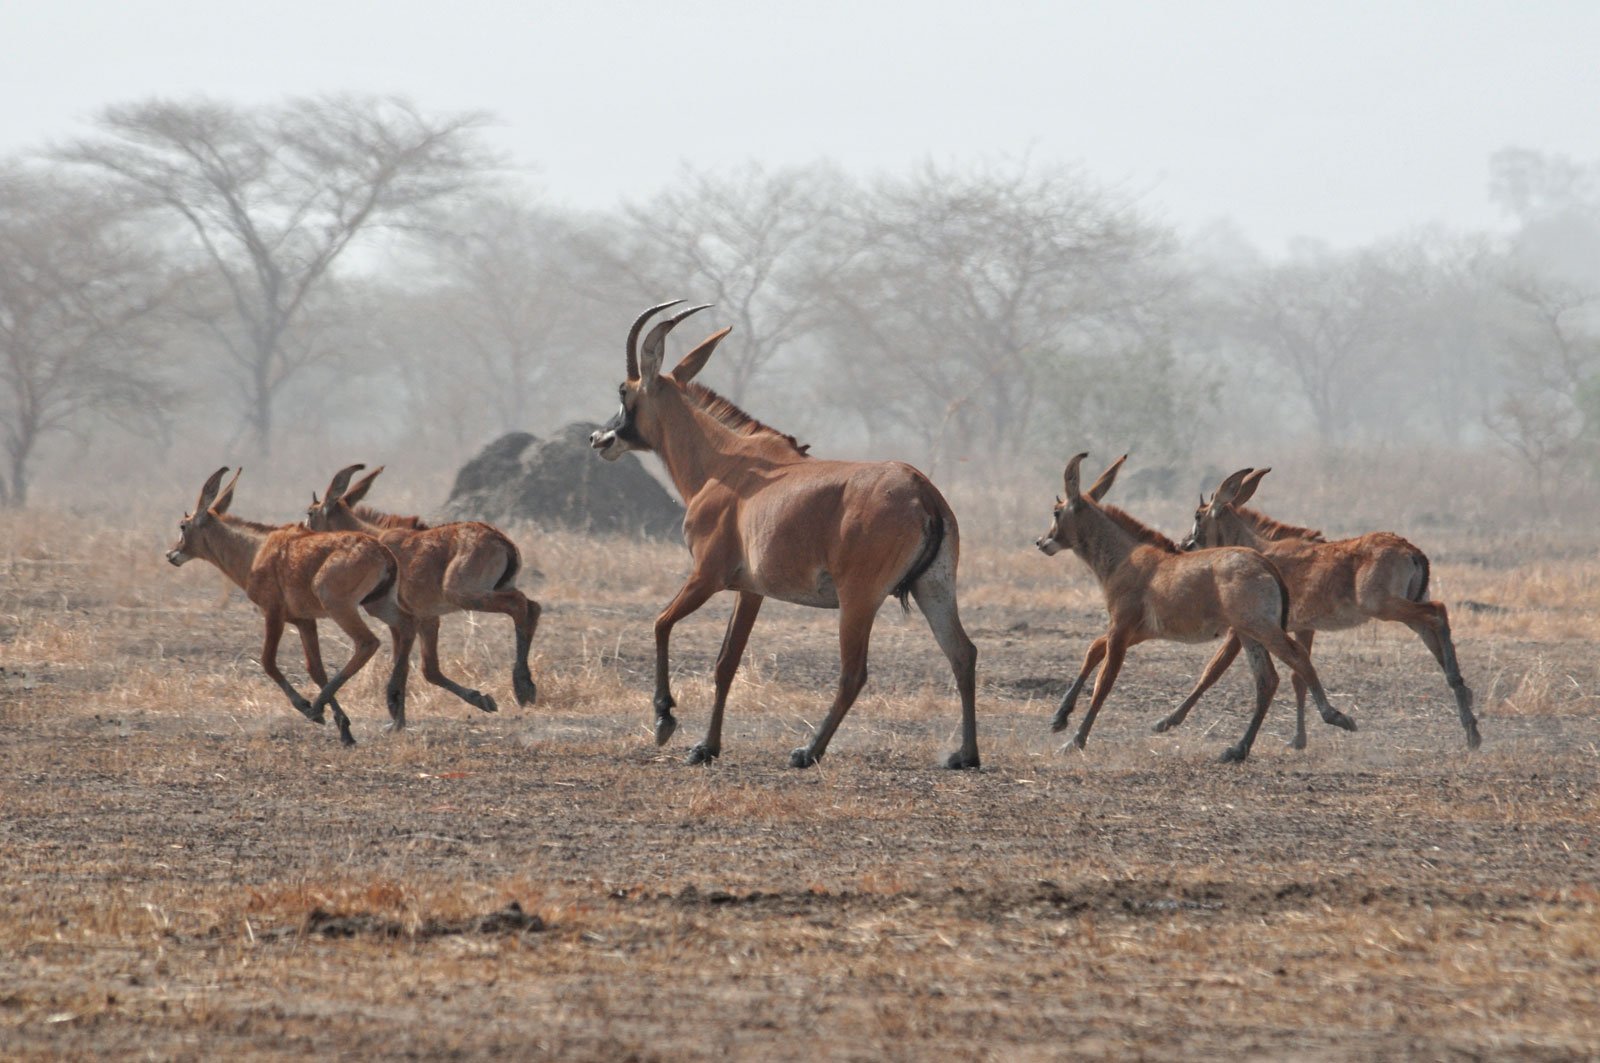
{"points": [[466, 566], [297, 576], [766, 520], [1332, 586], [1154, 591]]}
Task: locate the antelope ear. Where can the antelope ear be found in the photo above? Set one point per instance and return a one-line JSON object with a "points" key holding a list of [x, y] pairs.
{"points": [[695, 360], [359, 489], [208, 492], [1247, 489], [1229, 490], [340, 481], [1070, 479], [225, 496], [1098, 489]]}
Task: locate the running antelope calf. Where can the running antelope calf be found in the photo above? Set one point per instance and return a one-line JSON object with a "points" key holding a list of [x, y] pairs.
{"points": [[1155, 591], [766, 520], [1332, 586], [458, 567], [297, 576]]}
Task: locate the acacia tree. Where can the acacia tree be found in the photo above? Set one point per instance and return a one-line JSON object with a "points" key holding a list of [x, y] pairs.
{"points": [[272, 197], [79, 294], [756, 243]]}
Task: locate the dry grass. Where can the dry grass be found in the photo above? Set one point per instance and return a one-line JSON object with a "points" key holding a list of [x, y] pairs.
{"points": [[192, 870]]}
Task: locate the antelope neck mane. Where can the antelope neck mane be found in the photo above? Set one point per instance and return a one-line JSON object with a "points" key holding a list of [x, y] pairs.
{"points": [[1277, 529], [726, 413], [249, 525], [1139, 529], [388, 520]]}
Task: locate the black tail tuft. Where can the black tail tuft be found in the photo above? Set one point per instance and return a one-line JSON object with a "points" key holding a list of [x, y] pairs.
{"points": [[932, 540], [1421, 593]]}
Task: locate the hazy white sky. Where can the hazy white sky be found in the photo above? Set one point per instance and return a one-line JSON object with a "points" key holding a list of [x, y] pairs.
{"points": [[1340, 120]]}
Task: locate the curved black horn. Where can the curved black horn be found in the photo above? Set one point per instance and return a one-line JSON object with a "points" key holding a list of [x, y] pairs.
{"points": [[657, 337], [633, 336]]}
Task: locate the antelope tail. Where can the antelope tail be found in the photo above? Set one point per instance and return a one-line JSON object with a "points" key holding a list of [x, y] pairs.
{"points": [[385, 585], [932, 541], [1420, 591], [1283, 596], [513, 566]]}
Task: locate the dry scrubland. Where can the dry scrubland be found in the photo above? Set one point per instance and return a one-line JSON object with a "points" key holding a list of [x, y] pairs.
{"points": [[193, 871]]}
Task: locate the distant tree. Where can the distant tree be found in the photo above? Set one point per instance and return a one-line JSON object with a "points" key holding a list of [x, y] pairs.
{"points": [[1331, 323], [521, 301], [272, 197], [1549, 415], [1556, 203], [756, 243], [80, 291], [982, 299]]}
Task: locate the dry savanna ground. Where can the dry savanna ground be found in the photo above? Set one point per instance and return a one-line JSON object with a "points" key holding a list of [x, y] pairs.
{"points": [[194, 871]]}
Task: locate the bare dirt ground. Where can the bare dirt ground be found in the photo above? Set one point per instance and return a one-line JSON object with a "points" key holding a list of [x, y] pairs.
{"points": [[194, 871]]}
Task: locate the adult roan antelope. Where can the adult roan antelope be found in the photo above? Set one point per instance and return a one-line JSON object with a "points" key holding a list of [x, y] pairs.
{"points": [[1332, 586], [457, 567], [1155, 591], [766, 520], [297, 576]]}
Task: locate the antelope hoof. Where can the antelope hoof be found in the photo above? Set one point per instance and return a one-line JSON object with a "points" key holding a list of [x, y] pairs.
{"points": [[527, 693], [1165, 724], [802, 758], [486, 703], [345, 737], [1298, 741], [702, 754], [1075, 742], [1234, 755], [666, 723], [1473, 739], [1339, 719], [961, 759], [1058, 722], [396, 723]]}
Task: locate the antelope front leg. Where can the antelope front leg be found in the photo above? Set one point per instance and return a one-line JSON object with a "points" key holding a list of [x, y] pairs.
{"points": [[1304, 638], [313, 652], [366, 644], [1266, 686], [269, 664], [1097, 650], [1116, 646], [1213, 671], [1294, 655], [691, 596], [403, 635], [733, 644]]}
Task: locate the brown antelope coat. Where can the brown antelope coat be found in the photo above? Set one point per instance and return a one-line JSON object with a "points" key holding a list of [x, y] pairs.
{"points": [[458, 567], [766, 520], [1332, 586], [297, 576], [1154, 591]]}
